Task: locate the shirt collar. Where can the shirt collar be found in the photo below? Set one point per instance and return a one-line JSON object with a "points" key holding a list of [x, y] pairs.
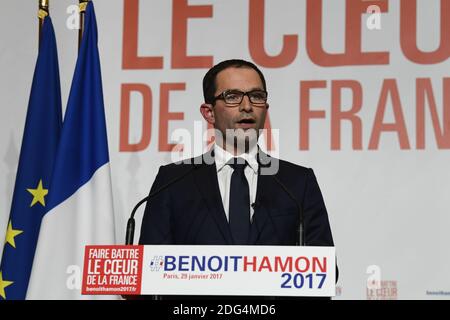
{"points": [[222, 156]]}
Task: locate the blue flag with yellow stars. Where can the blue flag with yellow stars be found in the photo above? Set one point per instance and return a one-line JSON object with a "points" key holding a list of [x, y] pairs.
{"points": [[39, 144]]}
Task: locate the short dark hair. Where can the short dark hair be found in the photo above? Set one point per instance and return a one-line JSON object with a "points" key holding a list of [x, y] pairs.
{"points": [[209, 80]]}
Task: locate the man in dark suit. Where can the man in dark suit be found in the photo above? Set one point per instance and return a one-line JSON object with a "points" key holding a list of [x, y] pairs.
{"points": [[235, 193]]}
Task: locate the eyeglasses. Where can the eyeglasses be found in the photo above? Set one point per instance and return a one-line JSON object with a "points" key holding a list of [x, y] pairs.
{"points": [[234, 98]]}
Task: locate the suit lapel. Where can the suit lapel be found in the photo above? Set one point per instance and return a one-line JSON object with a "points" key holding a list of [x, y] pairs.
{"points": [[261, 213], [206, 180]]}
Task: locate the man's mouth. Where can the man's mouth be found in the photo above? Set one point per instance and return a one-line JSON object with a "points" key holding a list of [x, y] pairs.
{"points": [[247, 120], [246, 123]]}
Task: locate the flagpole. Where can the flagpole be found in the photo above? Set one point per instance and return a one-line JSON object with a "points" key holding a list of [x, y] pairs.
{"points": [[82, 6], [42, 13]]}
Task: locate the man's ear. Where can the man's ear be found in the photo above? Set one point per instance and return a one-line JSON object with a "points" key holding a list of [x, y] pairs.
{"points": [[206, 109]]}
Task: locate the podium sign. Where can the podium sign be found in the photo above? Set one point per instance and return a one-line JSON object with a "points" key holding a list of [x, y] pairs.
{"points": [[210, 270]]}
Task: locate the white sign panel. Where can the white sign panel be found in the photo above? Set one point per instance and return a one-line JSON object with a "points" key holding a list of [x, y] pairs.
{"points": [[239, 270]]}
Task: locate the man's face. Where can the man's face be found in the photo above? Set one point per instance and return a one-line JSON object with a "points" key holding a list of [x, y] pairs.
{"points": [[245, 116]]}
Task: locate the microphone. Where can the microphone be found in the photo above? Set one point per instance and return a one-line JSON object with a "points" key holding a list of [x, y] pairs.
{"points": [[129, 236], [300, 228]]}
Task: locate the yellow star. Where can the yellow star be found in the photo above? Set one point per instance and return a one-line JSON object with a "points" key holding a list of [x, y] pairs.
{"points": [[10, 234], [3, 285], [38, 194]]}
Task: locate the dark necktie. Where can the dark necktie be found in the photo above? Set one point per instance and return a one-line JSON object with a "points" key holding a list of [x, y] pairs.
{"points": [[239, 210]]}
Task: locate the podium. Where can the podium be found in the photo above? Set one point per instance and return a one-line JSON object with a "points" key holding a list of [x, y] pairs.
{"points": [[289, 271]]}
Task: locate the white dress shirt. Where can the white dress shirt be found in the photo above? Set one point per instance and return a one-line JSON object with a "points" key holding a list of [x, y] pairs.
{"points": [[224, 172]]}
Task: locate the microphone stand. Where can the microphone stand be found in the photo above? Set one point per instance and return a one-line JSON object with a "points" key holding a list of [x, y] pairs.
{"points": [[300, 228], [129, 236]]}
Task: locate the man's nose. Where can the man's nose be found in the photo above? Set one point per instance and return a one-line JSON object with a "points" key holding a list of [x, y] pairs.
{"points": [[246, 105]]}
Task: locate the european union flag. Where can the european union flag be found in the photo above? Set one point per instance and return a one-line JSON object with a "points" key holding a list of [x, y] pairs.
{"points": [[37, 154]]}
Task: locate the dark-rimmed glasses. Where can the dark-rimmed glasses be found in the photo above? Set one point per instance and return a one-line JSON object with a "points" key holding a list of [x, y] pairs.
{"points": [[233, 98]]}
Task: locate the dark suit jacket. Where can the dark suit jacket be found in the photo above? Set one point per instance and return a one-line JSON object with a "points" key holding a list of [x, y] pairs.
{"points": [[190, 211]]}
